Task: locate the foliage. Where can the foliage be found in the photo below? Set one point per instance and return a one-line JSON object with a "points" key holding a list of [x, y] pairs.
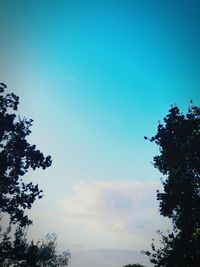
{"points": [[17, 156], [20, 252], [179, 160], [11, 251]]}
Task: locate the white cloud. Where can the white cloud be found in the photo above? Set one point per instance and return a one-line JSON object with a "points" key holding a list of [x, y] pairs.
{"points": [[124, 210], [119, 217]]}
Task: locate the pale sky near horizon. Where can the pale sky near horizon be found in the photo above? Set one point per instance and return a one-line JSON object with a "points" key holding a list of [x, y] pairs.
{"points": [[96, 77]]}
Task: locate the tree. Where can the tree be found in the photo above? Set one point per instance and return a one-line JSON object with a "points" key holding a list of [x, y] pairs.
{"points": [[17, 156], [22, 253], [47, 255], [43, 253], [178, 139]]}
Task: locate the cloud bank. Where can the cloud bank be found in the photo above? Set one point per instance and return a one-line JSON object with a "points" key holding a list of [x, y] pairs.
{"points": [[105, 223], [126, 211]]}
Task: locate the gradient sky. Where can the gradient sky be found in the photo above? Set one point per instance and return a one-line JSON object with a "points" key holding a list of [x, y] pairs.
{"points": [[97, 76]]}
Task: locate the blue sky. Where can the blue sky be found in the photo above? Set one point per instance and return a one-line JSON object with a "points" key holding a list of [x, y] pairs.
{"points": [[96, 76]]}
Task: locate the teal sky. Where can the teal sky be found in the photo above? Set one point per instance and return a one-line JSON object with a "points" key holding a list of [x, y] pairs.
{"points": [[97, 76]]}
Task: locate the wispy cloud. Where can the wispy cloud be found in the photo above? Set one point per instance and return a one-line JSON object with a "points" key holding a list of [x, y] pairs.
{"points": [[70, 77]]}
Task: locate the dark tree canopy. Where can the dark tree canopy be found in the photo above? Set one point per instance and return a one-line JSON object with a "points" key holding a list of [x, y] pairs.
{"points": [[18, 252], [17, 156], [179, 159], [178, 139]]}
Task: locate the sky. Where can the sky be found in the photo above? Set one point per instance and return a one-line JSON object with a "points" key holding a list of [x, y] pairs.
{"points": [[96, 77]]}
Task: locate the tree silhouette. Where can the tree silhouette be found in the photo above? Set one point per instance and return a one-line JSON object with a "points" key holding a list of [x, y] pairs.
{"points": [[179, 161], [18, 251], [17, 156]]}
